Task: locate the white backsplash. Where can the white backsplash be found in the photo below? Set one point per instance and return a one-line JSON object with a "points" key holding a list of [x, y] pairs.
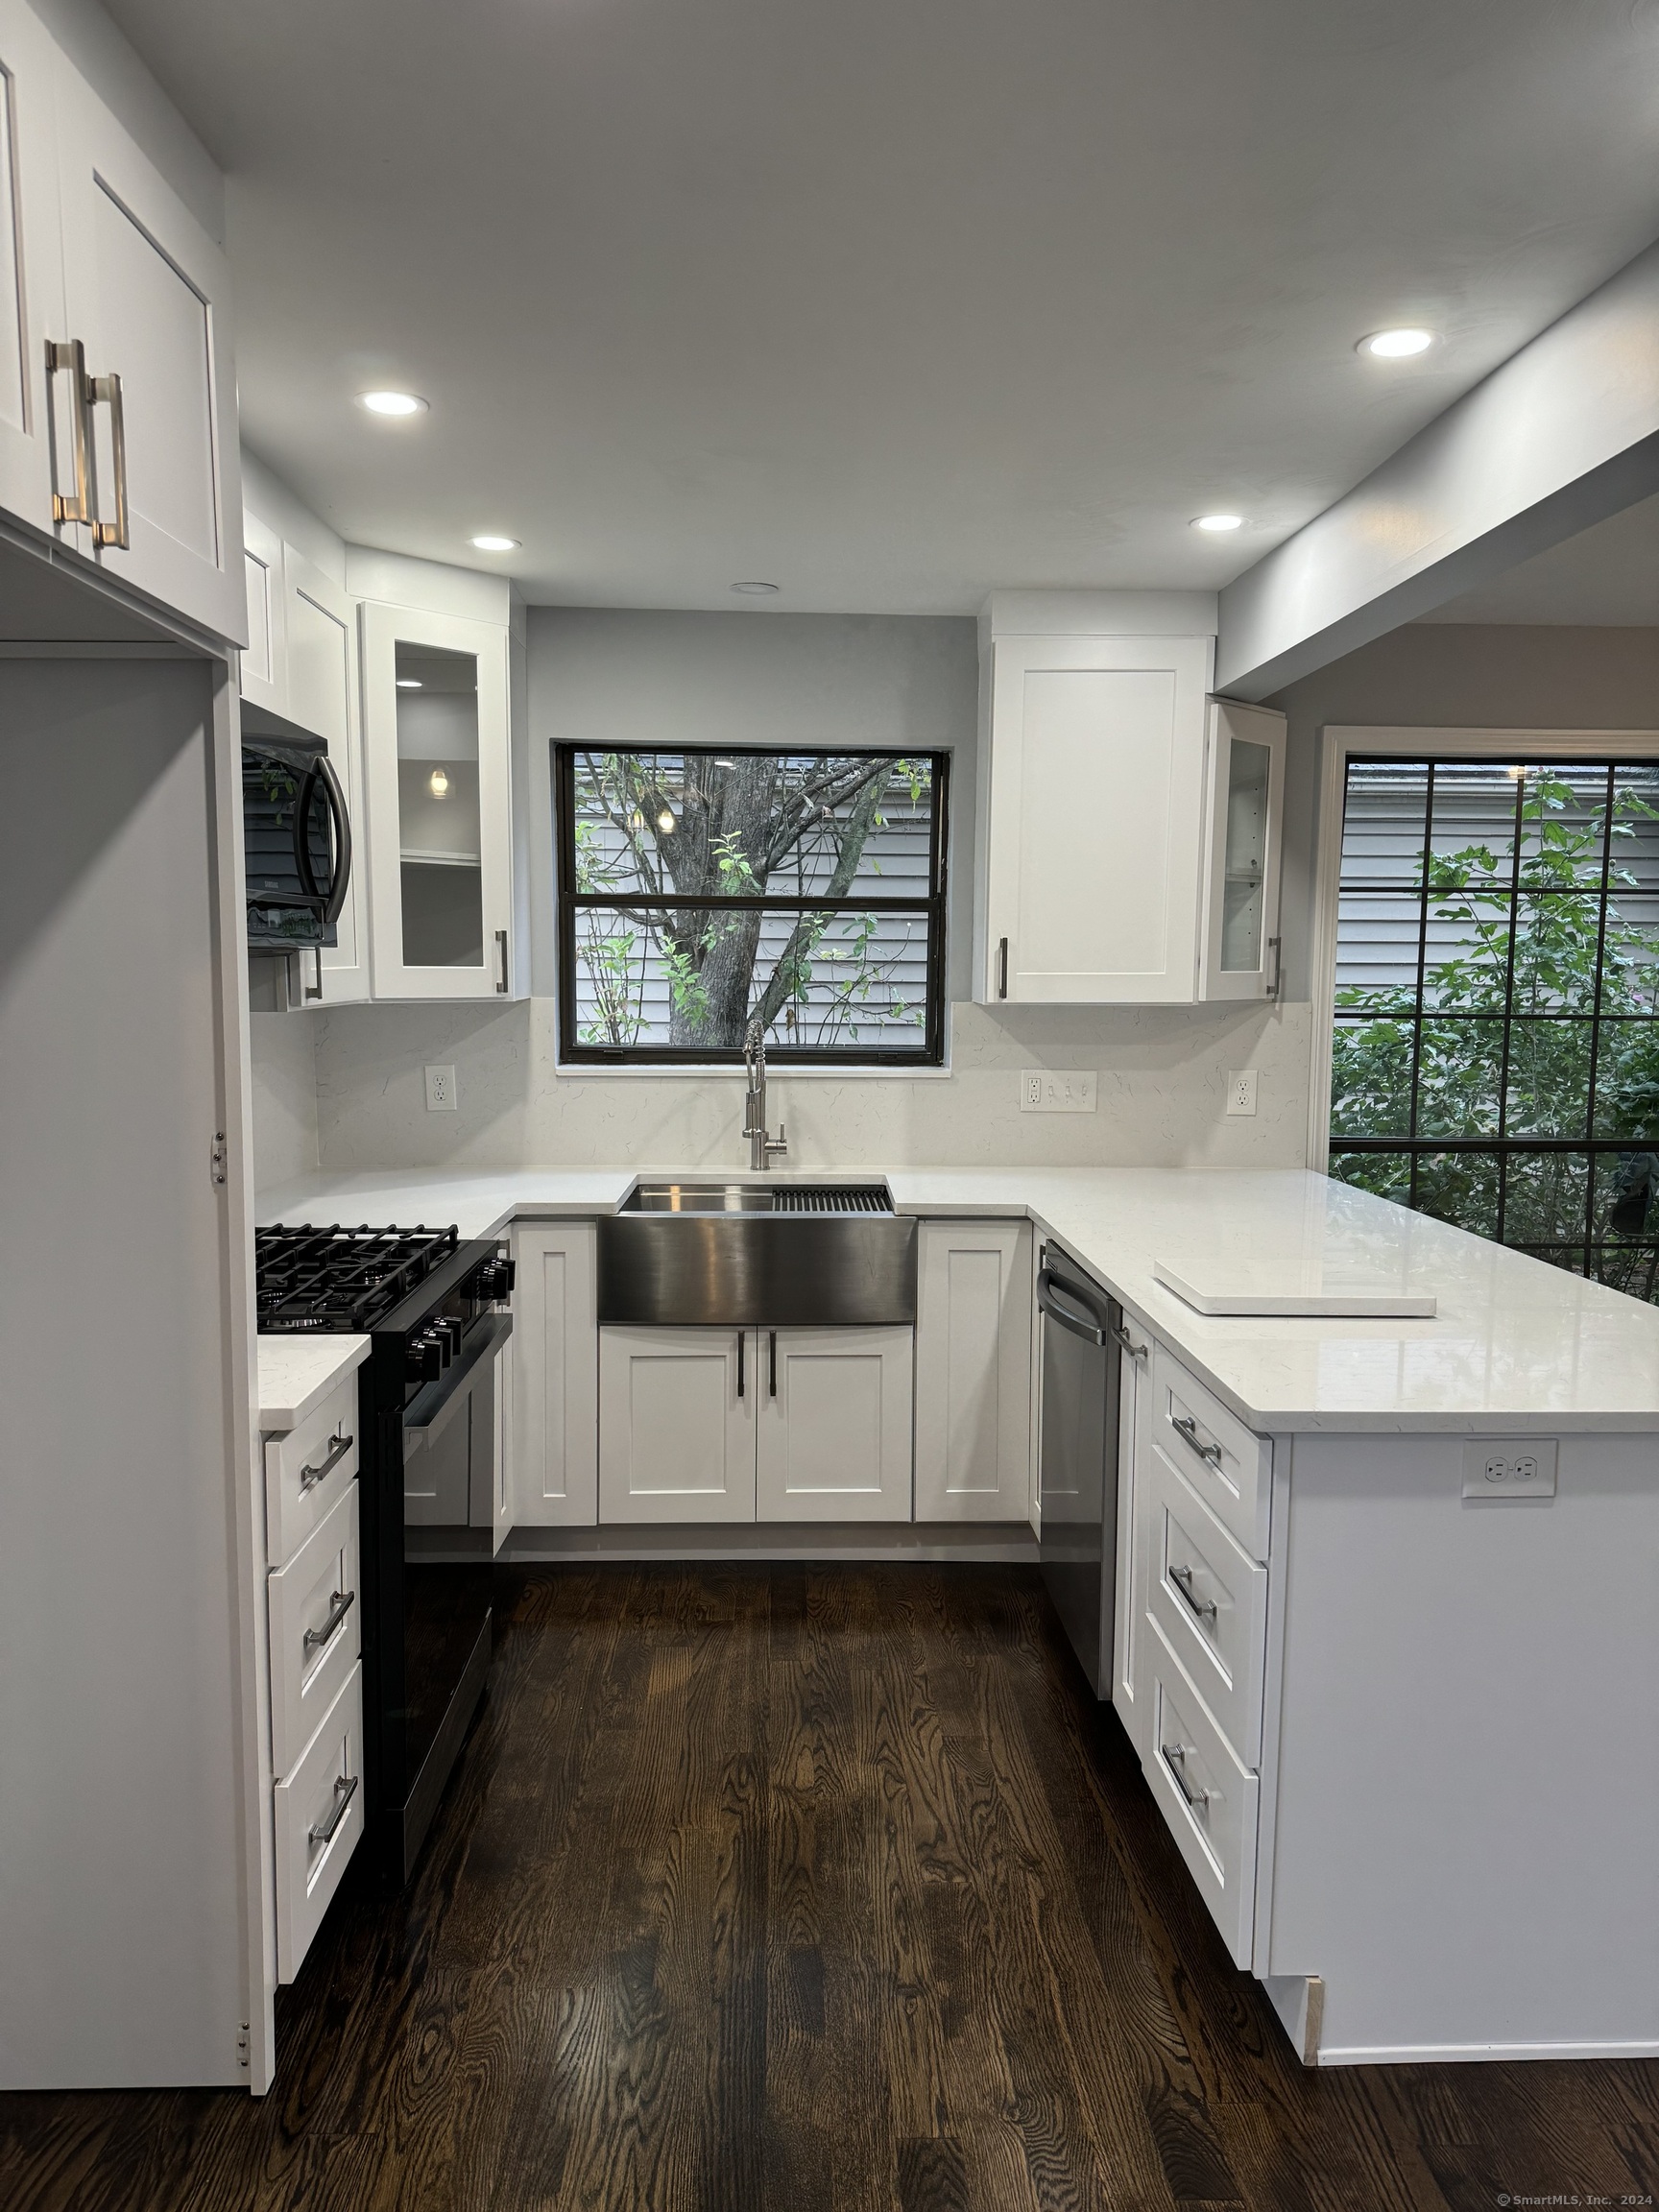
{"points": [[285, 1097], [1161, 1070]]}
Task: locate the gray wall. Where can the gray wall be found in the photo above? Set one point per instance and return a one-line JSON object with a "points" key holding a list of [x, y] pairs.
{"points": [[1443, 675], [619, 677]]}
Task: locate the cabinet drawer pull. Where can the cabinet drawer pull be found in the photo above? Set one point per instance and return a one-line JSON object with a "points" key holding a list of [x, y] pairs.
{"points": [[1184, 1426], [773, 1392], [339, 1606], [345, 1790], [1200, 1608], [1174, 1757], [310, 1477], [1126, 1343], [107, 389], [69, 355]]}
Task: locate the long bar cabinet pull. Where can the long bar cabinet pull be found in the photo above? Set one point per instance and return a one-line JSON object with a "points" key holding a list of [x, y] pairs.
{"points": [[70, 354], [1174, 1757], [107, 390], [1184, 1424], [345, 1790]]}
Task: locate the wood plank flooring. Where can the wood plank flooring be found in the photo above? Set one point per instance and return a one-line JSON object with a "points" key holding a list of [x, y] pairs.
{"points": [[768, 1890]]}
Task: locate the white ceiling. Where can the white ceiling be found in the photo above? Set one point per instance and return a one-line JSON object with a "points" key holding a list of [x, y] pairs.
{"points": [[889, 301], [1607, 576]]}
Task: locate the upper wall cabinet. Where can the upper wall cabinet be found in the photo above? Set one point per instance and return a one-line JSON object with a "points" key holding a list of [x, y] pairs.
{"points": [[439, 831], [143, 395], [1239, 942], [1093, 830], [31, 263], [318, 624]]}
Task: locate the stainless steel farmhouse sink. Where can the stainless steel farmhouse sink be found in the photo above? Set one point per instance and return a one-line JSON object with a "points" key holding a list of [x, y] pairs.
{"points": [[758, 1256]]}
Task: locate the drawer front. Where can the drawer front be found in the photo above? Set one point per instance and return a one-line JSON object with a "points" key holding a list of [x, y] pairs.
{"points": [[1211, 1601], [1229, 1466], [316, 1630], [1207, 1798], [309, 1470], [318, 1821]]}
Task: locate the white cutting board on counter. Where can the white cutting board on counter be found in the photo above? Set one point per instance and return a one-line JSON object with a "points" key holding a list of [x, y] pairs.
{"points": [[1238, 1287]]}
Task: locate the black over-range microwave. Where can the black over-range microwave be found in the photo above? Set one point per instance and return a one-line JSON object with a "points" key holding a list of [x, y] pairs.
{"points": [[296, 834]]}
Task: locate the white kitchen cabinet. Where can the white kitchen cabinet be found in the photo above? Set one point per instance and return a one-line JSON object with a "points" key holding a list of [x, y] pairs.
{"points": [[833, 1426], [262, 666], [320, 643], [555, 1390], [438, 771], [1244, 765], [491, 1502], [677, 1413], [1094, 833], [1134, 1508], [31, 263], [973, 1371], [146, 299]]}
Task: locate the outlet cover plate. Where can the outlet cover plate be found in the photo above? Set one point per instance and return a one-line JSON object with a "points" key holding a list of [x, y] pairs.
{"points": [[1058, 1090], [1241, 1091], [441, 1091], [1498, 1468]]}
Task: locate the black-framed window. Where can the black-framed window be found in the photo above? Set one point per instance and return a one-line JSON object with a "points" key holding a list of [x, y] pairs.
{"points": [[698, 888], [1496, 1054]]}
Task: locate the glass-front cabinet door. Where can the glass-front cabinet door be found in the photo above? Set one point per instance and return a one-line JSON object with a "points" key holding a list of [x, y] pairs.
{"points": [[439, 825], [1239, 939]]}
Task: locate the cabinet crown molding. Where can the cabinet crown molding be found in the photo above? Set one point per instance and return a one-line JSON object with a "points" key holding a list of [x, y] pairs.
{"points": [[1099, 615]]}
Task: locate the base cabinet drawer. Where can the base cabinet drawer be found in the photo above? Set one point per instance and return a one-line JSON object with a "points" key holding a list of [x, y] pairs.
{"points": [[308, 1471], [1208, 1799], [1210, 1598], [319, 1821], [315, 1630], [1228, 1465]]}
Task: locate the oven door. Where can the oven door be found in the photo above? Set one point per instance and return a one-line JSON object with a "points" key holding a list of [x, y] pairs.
{"points": [[1077, 1463]]}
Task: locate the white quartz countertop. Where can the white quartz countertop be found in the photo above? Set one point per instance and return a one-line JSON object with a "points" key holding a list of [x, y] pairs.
{"points": [[1515, 1346], [297, 1373]]}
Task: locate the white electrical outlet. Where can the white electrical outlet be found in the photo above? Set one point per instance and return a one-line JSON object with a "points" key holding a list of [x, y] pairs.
{"points": [[1241, 1091], [1057, 1090], [1497, 1468], [441, 1091]]}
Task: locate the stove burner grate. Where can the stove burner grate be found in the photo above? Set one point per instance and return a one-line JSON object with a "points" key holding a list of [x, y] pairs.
{"points": [[340, 1279]]}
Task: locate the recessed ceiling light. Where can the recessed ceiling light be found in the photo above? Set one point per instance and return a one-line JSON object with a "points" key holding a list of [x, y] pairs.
{"points": [[391, 403], [756, 589], [1218, 522], [488, 542], [1397, 345], [408, 682]]}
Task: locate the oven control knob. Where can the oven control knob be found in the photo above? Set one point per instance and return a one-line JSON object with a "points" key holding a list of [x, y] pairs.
{"points": [[423, 1359], [495, 1279], [449, 1330]]}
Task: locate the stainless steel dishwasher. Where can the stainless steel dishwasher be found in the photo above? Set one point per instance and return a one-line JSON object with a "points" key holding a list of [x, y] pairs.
{"points": [[1077, 1466]]}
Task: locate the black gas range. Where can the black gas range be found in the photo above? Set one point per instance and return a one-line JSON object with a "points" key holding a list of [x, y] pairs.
{"points": [[433, 1307]]}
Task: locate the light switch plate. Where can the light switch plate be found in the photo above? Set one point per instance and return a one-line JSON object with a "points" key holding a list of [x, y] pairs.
{"points": [[1498, 1468], [441, 1091], [1058, 1090]]}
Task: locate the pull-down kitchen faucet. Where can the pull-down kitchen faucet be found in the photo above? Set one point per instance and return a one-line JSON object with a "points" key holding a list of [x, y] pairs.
{"points": [[762, 1148]]}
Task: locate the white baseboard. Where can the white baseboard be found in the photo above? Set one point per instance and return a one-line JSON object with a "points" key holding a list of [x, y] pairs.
{"points": [[1456, 2054]]}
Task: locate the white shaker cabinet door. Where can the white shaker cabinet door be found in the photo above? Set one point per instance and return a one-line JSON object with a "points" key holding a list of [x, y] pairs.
{"points": [[973, 1371], [1094, 835], [1244, 808], [262, 666], [555, 1399], [147, 295], [677, 1425], [31, 270], [834, 1424], [319, 634]]}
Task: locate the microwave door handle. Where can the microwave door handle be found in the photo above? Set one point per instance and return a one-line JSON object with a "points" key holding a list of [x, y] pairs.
{"points": [[342, 821], [302, 835]]}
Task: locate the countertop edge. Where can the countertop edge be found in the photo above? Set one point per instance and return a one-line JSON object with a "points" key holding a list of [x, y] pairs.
{"points": [[349, 1354]]}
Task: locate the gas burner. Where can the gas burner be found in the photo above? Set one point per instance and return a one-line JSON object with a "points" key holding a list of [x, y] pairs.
{"points": [[340, 1280]]}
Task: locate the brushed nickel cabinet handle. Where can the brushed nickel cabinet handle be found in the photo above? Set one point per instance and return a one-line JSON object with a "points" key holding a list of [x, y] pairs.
{"points": [[339, 1606], [108, 390], [1174, 1757], [1184, 1426], [1126, 1343], [70, 354], [1277, 947], [501, 950], [310, 1477], [345, 1790], [1201, 1609]]}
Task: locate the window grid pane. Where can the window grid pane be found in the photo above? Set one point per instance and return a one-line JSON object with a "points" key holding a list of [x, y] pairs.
{"points": [[1496, 1056]]}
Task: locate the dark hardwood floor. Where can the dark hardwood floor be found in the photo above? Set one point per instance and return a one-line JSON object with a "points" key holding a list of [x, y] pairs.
{"points": [[811, 1890]]}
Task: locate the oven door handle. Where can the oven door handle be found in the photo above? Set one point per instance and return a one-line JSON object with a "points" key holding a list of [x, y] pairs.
{"points": [[426, 1412], [1050, 1289]]}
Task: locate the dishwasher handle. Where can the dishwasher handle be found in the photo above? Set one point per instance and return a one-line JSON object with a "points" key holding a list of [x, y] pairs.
{"points": [[1052, 1289]]}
